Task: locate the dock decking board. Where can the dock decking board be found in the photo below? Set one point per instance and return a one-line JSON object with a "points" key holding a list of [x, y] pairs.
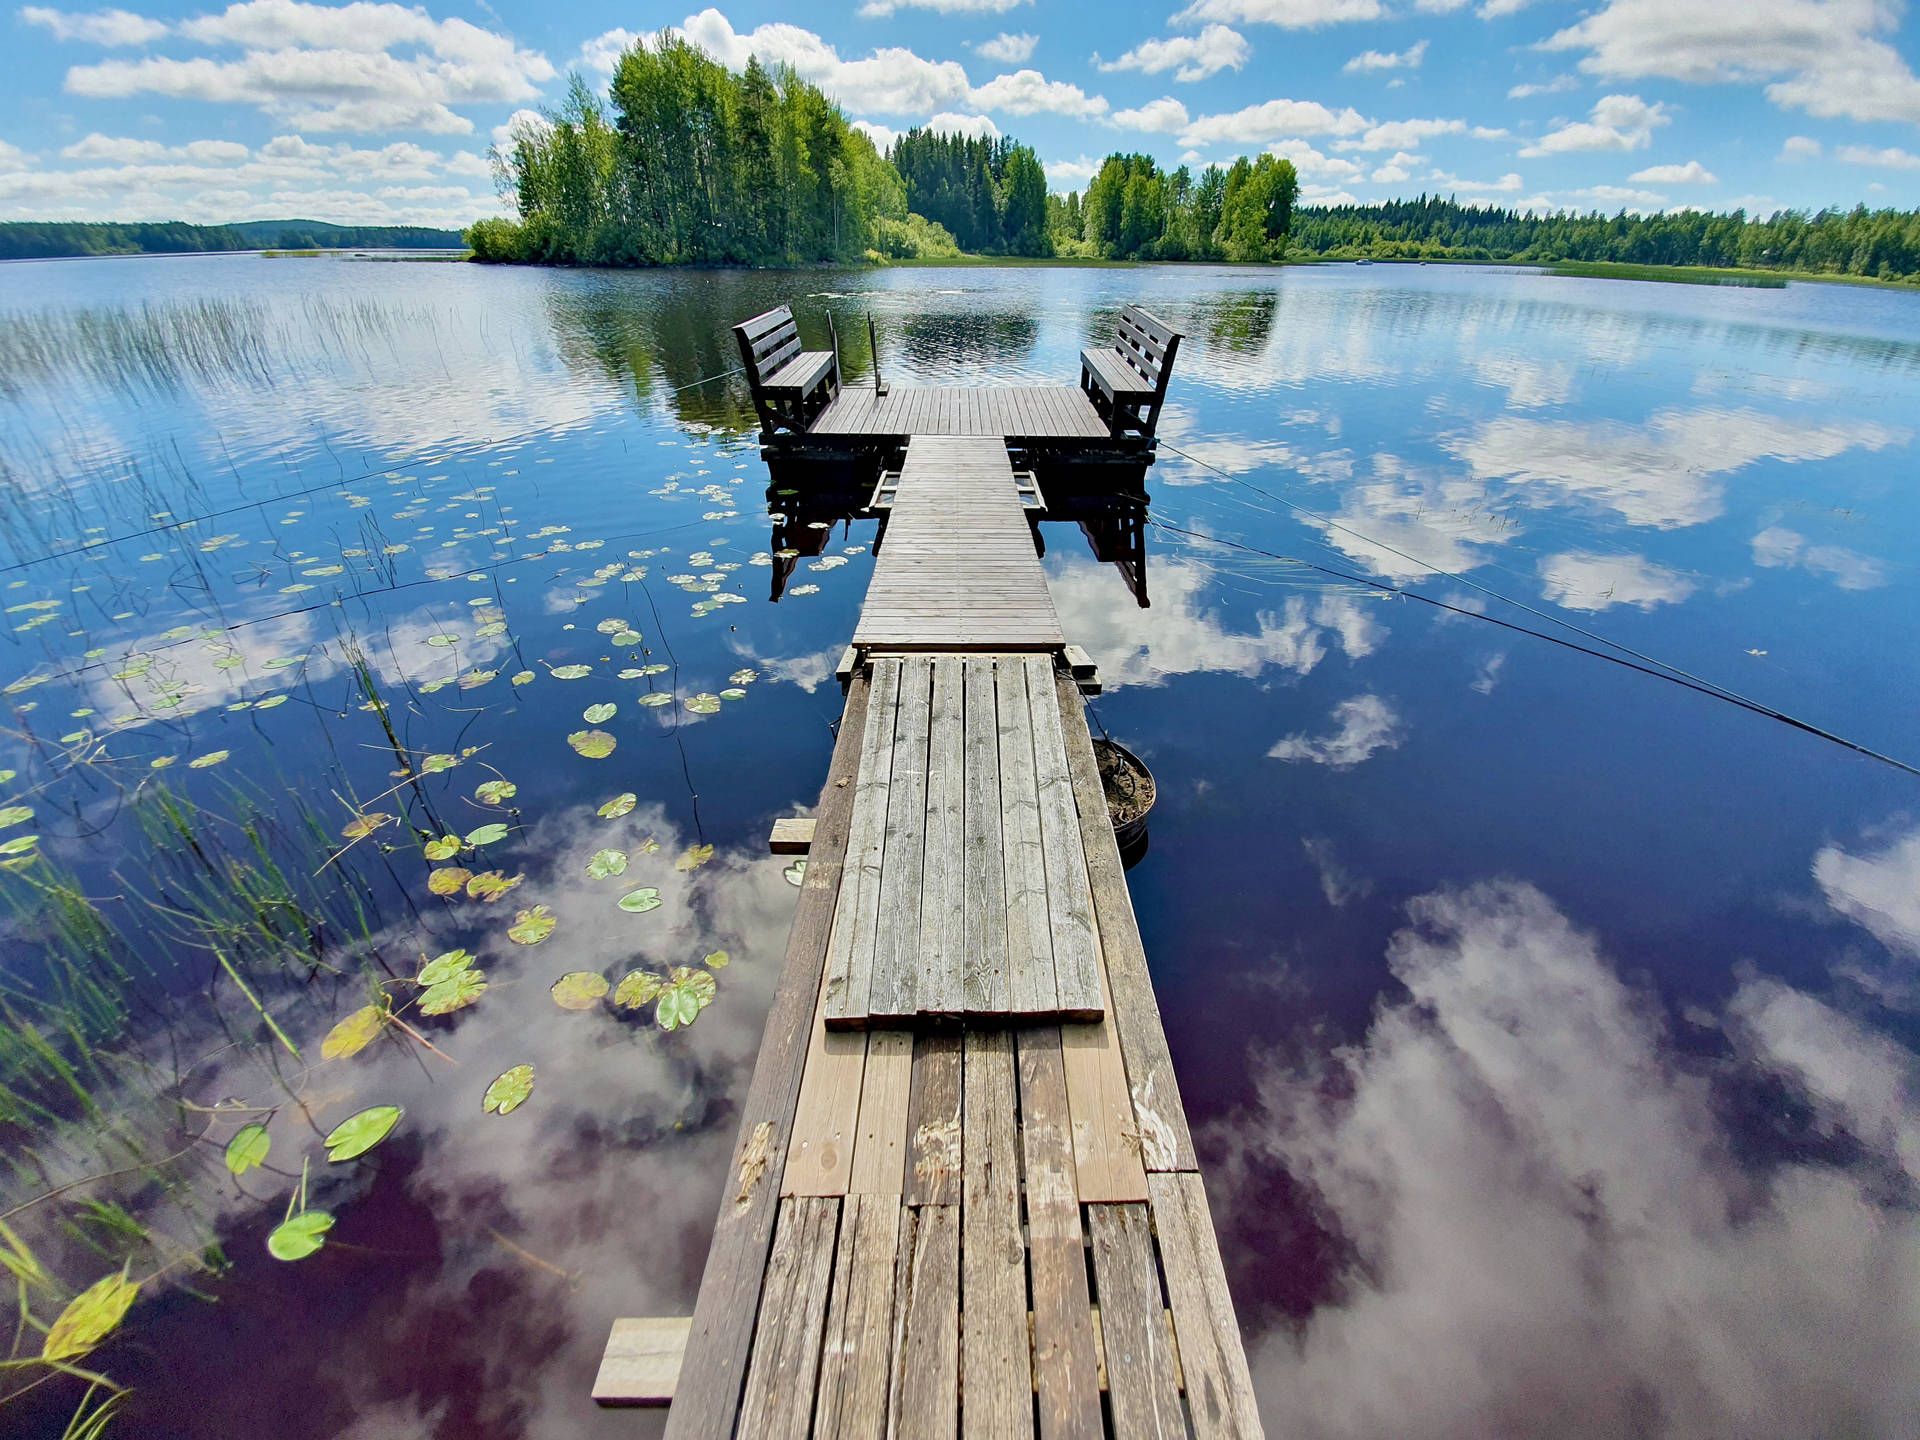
{"points": [[994, 1226]]}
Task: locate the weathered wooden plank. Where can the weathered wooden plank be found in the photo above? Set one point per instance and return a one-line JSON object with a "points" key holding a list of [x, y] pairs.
{"points": [[778, 1403], [896, 950], [1106, 1136], [856, 1355], [791, 835], [1069, 906], [880, 1153], [1143, 1392], [1030, 981], [926, 1377], [996, 1344], [1213, 1361], [826, 1117], [943, 915], [708, 1396], [985, 987], [850, 958], [1065, 1366], [934, 1140], [1162, 1124], [641, 1364]]}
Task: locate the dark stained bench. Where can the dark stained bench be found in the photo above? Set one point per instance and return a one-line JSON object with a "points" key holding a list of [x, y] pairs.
{"points": [[790, 386], [1128, 382]]}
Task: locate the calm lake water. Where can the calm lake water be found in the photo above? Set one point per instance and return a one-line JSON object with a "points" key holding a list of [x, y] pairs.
{"points": [[1547, 1028]]}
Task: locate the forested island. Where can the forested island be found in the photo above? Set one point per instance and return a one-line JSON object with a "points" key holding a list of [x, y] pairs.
{"points": [[49, 240]]}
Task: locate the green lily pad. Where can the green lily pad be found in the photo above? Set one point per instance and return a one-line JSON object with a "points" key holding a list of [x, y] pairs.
{"points": [[448, 881], [657, 668], [656, 697], [594, 714], [89, 1318], [607, 862], [248, 1149], [703, 985], [445, 848], [524, 677], [491, 629], [14, 814], [733, 693], [626, 639], [212, 757], [579, 990], [743, 677], [490, 885], [443, 641], [618, 806], [530, 927], [636, 988], [638, 902], [434, 764], [718, 960], [353, 1034], [362, 826], [612, 626], [443, 967], [495, 792], [594, 744], [270, 702], [704, 704], [693, 857], [357, 1134], [299, 1237], [571, 672], [474, 679], [19, 845], [677, 1006], [795, 873], [487, 834], [508, 1091], [456, 992]]}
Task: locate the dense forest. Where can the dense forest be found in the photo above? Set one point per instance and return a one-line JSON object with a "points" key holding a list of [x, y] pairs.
{"points": [[990, 195], [1133, 211], [23, 240]]}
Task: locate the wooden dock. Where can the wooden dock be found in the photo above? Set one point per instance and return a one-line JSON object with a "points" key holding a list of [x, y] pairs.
{"points": [[964, 1200]]}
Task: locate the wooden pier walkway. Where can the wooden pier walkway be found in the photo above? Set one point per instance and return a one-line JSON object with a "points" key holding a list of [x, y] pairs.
{"points": [[964, 1200]]}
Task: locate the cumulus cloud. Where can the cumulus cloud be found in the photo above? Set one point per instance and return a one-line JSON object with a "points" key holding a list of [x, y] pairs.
{"points": [[1619, 122], [603, 52], [1290, 14], [1577, 580], [1830, 58], [1071, 174], [1691, 173], [1165, 116], [1370, 60], [1190, 57], [1556, 86], [1548, 1224], [1411, 134], [1777, 548], [1271, 120], [1312, 164], [1028, 92], [1879, 890], [111, 28], [1363, 726], [1800, 147], [945, 7], [1892, 157], [1508, 184], [1007, 48]]}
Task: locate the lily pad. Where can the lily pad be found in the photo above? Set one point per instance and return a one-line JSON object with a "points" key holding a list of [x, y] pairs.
{"points": [[474, 679], [656, 697], [90, 1317], [733, 692], [19, 845], [626, 639], [495, 792], [362, 826], [796, 873], [620, 805], [718, 960], [300, 1236], [530, 927], [743, 677], [594, 744], [571, 672], [456, 992], [443, 967], [638, 902], [487, 834], [677, 1006], [490, 885], [449, 881], [657, 668], [636, 988], [14, 814], [508, 1090], [704, 704], [434, 764], [702, 984], [611, 626], [442, 642], [694, 857], [607, 862], [357, 1134], [445, 848], [524, 677], [248, 1149], [579, 990], [594, 714], [353, 1034], [212, 757]]}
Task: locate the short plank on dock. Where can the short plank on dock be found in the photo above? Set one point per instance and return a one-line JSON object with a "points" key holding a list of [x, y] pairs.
{"points": [[1030, 413], [969, 894], [641, 1364]]}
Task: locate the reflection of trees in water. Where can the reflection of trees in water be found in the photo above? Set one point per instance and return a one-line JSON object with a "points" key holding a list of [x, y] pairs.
{"points": [[933, 340], [1240, 322]]}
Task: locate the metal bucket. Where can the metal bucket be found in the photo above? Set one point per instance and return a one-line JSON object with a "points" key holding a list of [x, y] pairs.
{"points": [[1130, 794]]}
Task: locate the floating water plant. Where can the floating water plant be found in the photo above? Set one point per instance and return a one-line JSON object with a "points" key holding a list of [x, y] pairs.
{"points": [[605, 863], [359, 1133], [531, 926], [508, 1091], [638, 902], [620, 805], [579, 990]]}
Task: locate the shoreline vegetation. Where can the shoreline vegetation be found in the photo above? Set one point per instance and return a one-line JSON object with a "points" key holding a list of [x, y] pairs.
{"points": [[63, 240]]}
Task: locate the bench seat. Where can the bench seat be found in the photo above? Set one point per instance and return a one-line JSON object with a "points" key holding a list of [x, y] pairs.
{"points": [[1127, 381], [802, 373], [790, 386], [1110, 370]]}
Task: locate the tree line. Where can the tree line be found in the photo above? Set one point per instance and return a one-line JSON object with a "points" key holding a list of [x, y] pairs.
{"points": [[51, 240], [1132, 210]]}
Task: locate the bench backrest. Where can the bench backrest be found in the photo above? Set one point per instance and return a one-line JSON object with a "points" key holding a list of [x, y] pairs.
{"points": [[766, 343], [1148, 346]]}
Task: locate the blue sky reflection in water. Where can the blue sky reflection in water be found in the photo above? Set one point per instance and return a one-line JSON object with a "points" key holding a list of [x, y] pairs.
{"points": [[1547, 1028]]}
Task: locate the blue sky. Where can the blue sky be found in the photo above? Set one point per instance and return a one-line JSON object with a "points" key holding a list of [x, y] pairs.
{"points": [[383, 113]]}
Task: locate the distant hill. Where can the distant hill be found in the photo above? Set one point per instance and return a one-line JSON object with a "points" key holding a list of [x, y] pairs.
{"points": [[24, 240]]}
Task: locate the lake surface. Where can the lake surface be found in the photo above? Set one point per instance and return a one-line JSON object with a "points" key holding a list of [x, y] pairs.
{"points": [[1547, 1026]]}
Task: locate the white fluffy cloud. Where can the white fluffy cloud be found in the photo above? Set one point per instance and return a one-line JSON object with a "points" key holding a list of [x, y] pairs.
{"points": [[1028, 92], [1880, 891], [1691, 173], [1776, 548], [602, 53], [1270, 120], [1190, 57], [1556, 86], [1411, 134], [1071, 174], [1800, 147], [1007, 48], [1363, 726], [110, 28], [945, 7], [1830, 58], [1312, 164], [1370, 60], [1892, 157], [1580, 581], [1619, 122], [1165, 116], [1291, 14]]}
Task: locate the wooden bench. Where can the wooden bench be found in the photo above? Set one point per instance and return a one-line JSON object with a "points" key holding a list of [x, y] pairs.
{"points": [[790, 386], [1128, 382]]}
